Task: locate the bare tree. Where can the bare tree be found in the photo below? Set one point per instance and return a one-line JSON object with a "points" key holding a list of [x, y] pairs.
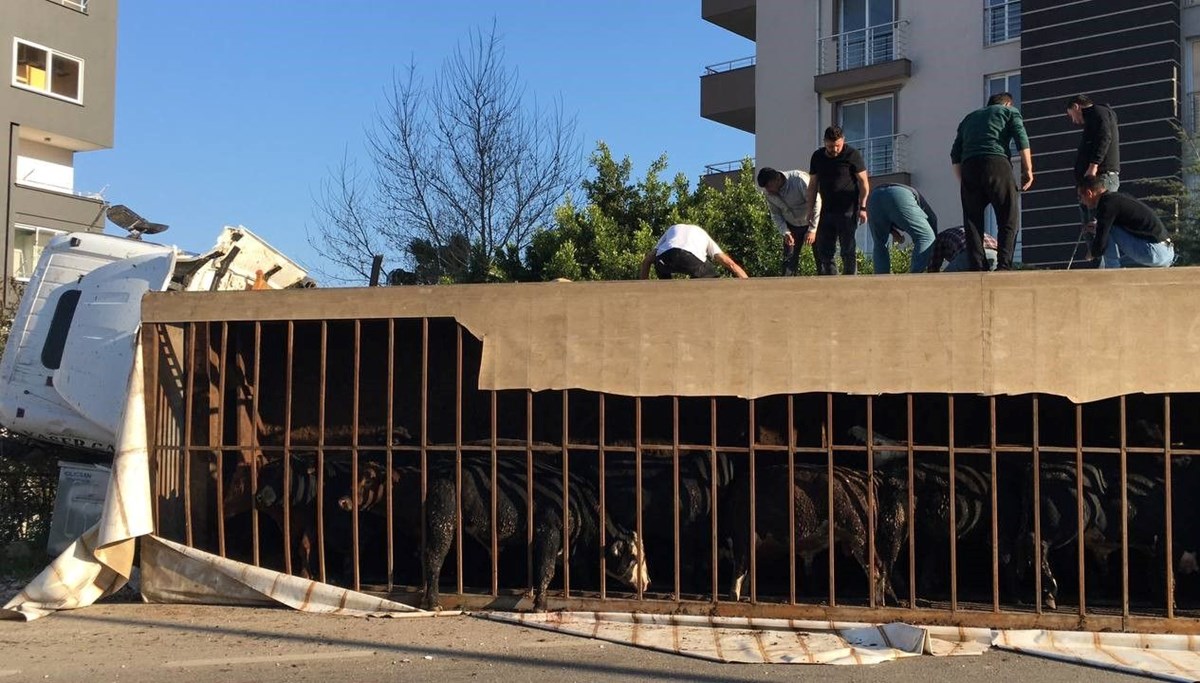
{"points": [[467, 159]]}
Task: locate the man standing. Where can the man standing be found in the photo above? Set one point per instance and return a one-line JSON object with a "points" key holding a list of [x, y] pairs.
{"points": [[686, 249], [950, 250], [895, 208], [1099, 152], [984, 172], [839, 177], [787, 201], [1127, 231]]}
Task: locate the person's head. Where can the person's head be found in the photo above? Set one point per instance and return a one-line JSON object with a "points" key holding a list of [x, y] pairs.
{"points": [[1090, 190], [835, 140], [1001, 98], [770, 180], [1075, 107]]}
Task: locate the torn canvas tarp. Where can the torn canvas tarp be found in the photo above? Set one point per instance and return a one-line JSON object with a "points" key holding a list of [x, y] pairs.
{"points": [[1167, 656], [762, 641]]}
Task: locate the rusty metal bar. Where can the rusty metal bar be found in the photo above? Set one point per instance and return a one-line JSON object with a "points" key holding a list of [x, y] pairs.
{"points": [[154, 407], [753, 509], [1167, 505], [287, 451], [528, 488], [953, 510], [637, 476], [494, 476], [994, 486], [829, 499], [354, 445], [603, 504], [912, 506], [1037, 507], [872, 580], [254, 422], [189, 350], [221, 365], [458, 503], [791, 462], [1079, 507], [389, 492], [425, 446], [1124, 516], [712, 458], [321, 388], [675, 490], [566, 485]]}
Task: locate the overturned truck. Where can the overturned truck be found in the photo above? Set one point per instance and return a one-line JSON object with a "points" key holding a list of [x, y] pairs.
{"points": [[1009, 450]]}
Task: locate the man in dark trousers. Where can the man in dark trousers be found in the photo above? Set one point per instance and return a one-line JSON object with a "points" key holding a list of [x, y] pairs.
{"points": [[1099, 152], [1128, 233], [688, 250], [839, 175], [984, 172], [787, 201]]}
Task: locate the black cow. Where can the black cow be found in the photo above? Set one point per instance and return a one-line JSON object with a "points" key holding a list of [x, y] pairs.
{"points": [[809, 491], [624, 555]]}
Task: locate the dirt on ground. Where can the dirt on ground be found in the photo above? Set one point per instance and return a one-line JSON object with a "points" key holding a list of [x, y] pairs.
{"points": [[114, 641]]}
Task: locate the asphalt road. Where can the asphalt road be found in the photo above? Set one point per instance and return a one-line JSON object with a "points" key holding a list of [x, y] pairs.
{"points": [[138, 642]]}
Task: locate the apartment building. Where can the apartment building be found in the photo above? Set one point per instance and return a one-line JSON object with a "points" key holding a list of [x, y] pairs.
{"points": [[60, 58], [898, 76]]}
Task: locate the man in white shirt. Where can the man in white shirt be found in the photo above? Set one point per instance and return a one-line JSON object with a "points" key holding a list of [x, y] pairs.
{"points": [[787, 202], [687, 249]]}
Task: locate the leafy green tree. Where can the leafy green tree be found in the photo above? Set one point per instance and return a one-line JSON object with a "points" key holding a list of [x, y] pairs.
{"points": [[1177, 200]]}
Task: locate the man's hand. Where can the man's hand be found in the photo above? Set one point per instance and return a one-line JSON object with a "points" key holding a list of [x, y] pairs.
{"points": [[1089, 228], [810, 237], [862, 216], [789, 240], [1026, 179]]}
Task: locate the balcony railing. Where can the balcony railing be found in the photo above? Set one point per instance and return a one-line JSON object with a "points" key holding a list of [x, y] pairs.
{"points": [[1002, 22], [864, 47], [884, 154], [80, 5], [1191, 107], [731, 65], [724, 167]]}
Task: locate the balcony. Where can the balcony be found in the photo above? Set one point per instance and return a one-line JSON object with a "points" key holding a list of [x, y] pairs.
{"points": [[715, 175], [886, 156], [1191, 107], [736, 16], [80, 5], [872, 56], [57, 209], [727, 93]]}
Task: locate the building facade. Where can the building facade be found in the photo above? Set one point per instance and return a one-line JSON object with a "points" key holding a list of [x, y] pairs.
{"points": [[899, 75], [59, 57]]}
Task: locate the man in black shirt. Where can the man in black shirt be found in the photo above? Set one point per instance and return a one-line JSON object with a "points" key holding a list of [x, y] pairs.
{"points": [[1128, 233], [838, 173], [1099, 152]]}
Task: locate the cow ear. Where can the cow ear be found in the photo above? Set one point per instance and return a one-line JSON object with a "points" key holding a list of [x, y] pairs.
{"points": [[616, 548]]}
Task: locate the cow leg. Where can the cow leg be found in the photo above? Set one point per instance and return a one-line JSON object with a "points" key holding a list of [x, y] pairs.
{"points": [[547, 549], [440, 522], [741, 539]]}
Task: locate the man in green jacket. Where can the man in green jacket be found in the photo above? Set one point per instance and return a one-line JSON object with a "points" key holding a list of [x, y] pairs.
{"points": [[984, 172]]}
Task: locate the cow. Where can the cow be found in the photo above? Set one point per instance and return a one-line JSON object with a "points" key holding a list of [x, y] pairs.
{"points": [[624, 554], [809, 493]]}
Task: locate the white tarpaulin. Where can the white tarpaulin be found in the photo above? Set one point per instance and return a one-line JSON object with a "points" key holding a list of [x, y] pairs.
{"points": [[1171, 657], [762, 641]]}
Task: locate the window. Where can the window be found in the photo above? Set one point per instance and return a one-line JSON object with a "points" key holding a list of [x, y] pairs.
{"points": [[28, 243], [869, 126], [1001, 21], [46, 71], [867, 33], [60, 324]]}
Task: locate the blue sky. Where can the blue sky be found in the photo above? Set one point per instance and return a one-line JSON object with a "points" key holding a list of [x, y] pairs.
{"points": [[234, 111]]}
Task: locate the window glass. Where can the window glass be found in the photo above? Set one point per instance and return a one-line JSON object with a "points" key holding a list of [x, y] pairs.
{"points": [[44, 70]]}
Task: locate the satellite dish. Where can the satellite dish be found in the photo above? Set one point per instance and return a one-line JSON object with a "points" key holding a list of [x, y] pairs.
{"points": [[137, 226]]}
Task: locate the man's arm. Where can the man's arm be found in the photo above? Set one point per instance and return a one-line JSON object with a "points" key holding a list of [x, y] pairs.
{"points": [[1104, 221], [725, 260], [644, 273], [776, 216], [810, 198], [1026, 169], [864, 189], [1104, 138]]}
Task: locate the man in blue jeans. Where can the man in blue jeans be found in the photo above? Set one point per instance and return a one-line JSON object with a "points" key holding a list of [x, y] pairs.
{"points": [[896, 208], [1128, 233]]}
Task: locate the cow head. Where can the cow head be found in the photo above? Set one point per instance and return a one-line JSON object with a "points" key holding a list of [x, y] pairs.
{"points": [[372, 487], [625, 560]]}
